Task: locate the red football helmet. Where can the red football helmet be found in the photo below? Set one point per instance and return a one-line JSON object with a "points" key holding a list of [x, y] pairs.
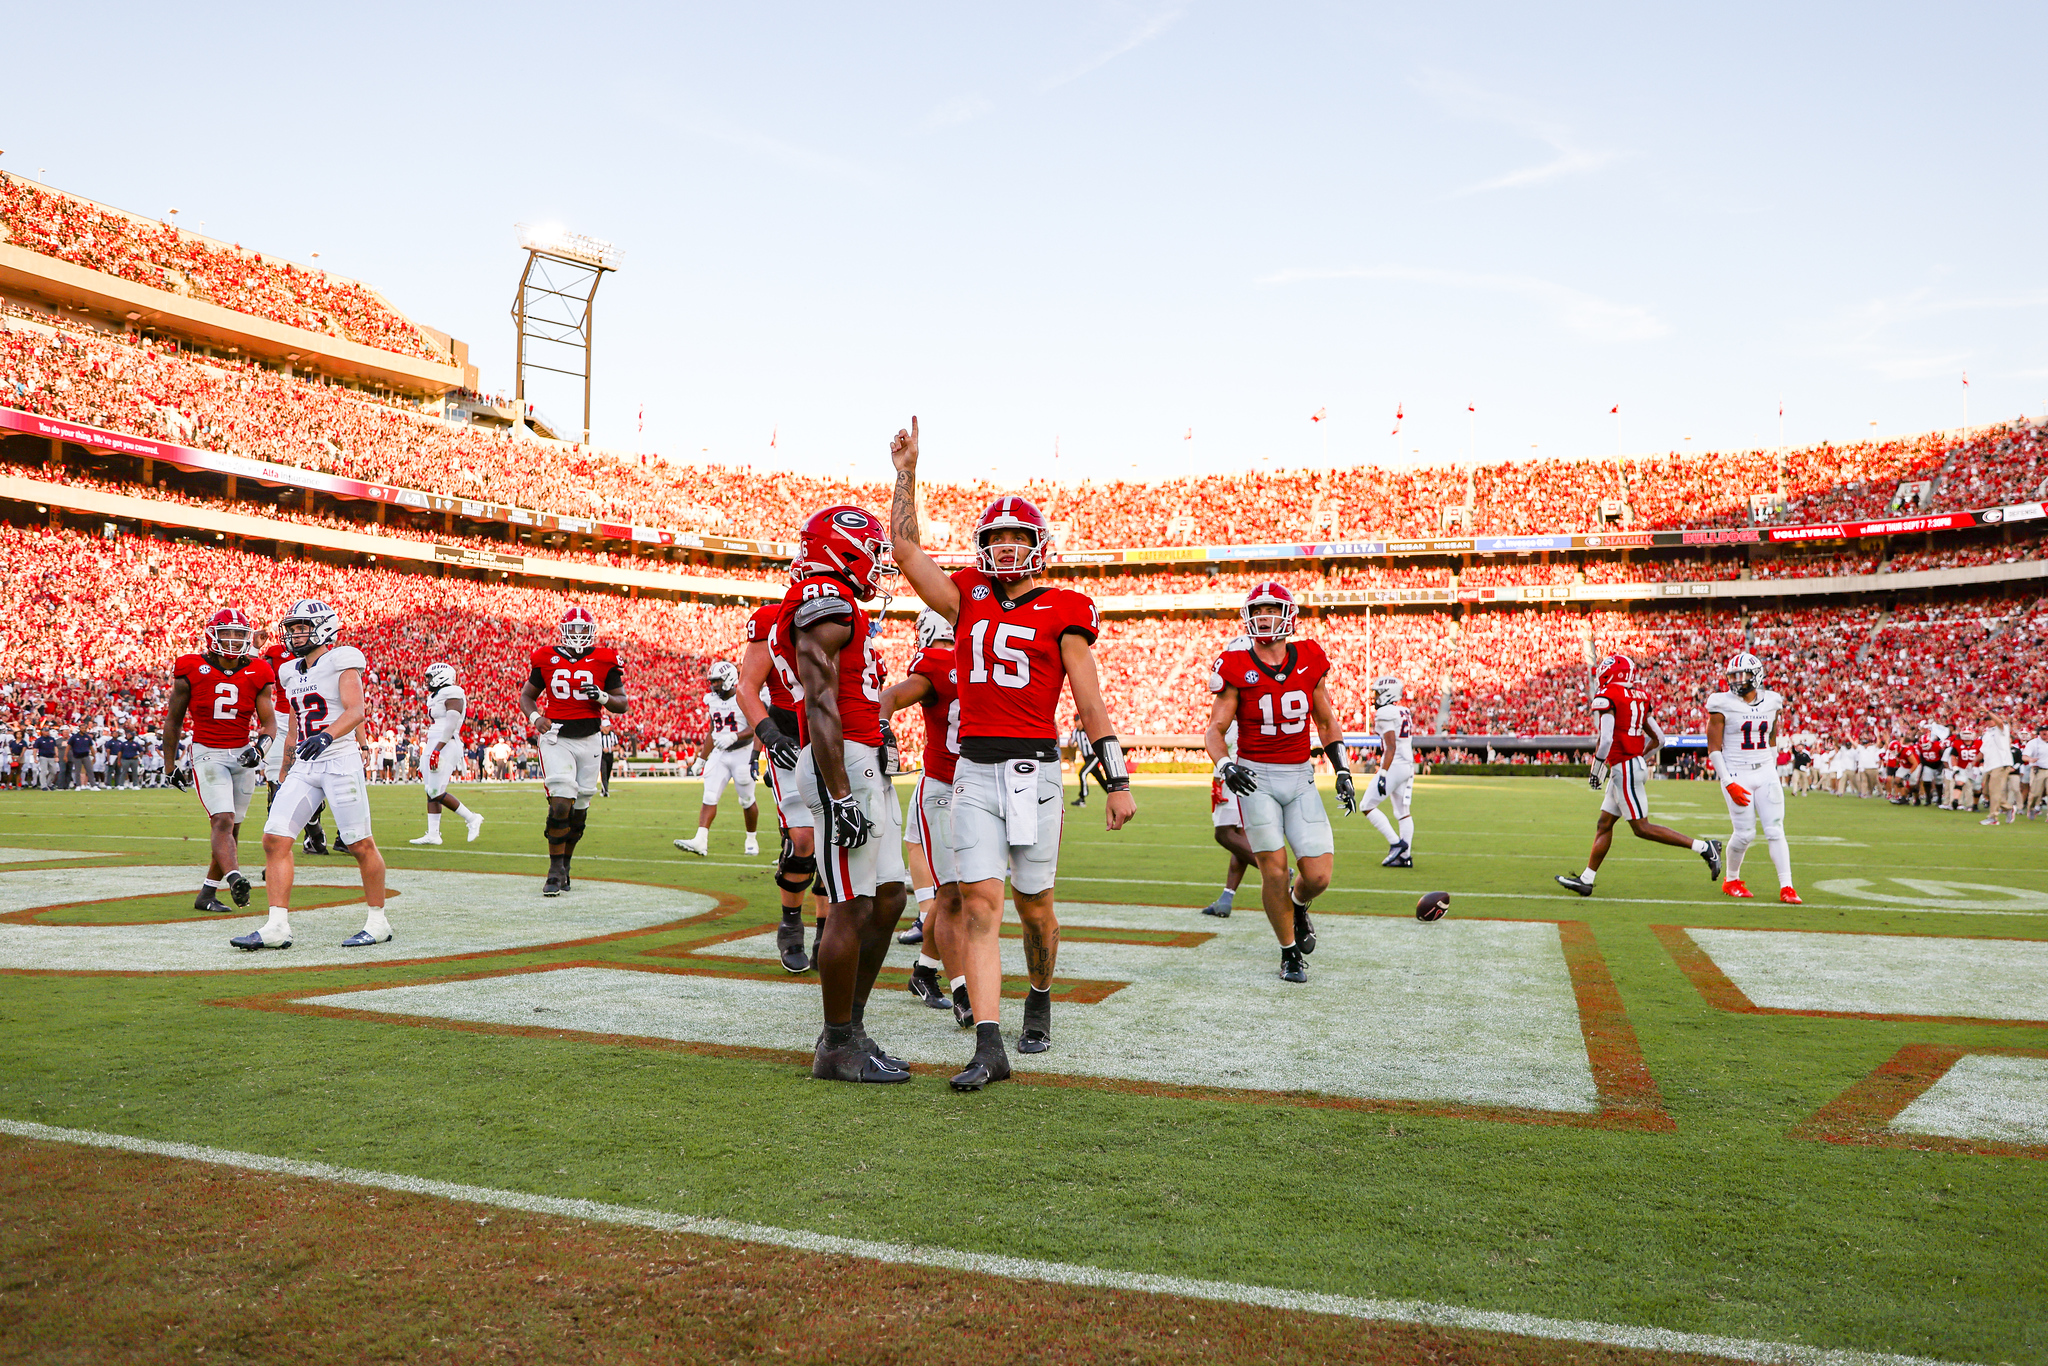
{"points": [[847, 541], [1022, 561], [578, 631], [230, 634], [1270, 603], [1616, 669]]}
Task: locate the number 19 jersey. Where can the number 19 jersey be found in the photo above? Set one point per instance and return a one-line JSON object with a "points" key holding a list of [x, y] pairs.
{"points": [[1007, 652], [1274, 703]]}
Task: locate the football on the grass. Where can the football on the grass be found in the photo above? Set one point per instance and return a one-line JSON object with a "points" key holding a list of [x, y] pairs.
{"points": [[1432, 905]]}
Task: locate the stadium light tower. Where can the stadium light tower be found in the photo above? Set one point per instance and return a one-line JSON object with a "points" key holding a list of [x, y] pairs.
{"points": [[556, 301]]}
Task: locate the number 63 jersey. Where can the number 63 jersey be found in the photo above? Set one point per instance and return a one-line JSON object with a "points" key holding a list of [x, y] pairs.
{"points": [[560, 677], [1274, 704]]}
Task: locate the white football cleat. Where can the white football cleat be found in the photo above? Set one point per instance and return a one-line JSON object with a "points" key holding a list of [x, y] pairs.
{"points": [[426, 839], [692, 847], [475, 822], [753, 845]]}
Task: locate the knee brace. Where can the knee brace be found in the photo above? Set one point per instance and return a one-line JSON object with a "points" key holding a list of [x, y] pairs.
{"points": [[796, 872], [557, 830], [577, 820]]}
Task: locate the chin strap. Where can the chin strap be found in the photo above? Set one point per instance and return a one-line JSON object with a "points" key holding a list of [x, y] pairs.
{"points": [[1116, 775]]}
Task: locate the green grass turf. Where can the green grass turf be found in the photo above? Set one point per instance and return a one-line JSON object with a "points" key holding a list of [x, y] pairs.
{"points": [[1723, 1226]]}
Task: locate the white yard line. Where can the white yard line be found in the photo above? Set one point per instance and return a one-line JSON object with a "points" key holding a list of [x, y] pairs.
{"points": [[987, 1264]]}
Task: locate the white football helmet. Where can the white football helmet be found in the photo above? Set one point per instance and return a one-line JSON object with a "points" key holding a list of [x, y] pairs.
{"points": [[309, 625], [1386, 691], [1745, 673], [932, 628], [439, 676], [725, 677]]}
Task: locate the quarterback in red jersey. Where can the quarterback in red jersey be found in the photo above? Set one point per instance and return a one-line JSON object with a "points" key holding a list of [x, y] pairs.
{"points": [[1270, 688], [842, 554], [933, 687], [1625, 734], [229, 693], [1019, 638], [775, 723], [569, 687]]}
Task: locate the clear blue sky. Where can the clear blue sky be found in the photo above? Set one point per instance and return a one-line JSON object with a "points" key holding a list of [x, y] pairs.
{"points": [[1102, 226]]}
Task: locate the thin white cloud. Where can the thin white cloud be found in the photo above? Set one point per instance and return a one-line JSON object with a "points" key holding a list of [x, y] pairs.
{"points": [[1148, 28], [1575, 310], [1869, 332], [1569, 157], [955, 112], [768, 148]]}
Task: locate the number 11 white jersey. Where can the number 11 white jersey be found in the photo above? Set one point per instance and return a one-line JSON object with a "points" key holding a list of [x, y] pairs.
{"points": [[1746, 742]]}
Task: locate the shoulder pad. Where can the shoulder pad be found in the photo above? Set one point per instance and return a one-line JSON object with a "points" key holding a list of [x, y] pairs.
{"points": [[824, 607]]}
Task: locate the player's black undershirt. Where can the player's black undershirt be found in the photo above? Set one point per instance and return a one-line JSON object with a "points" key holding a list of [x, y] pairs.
{"points": [[1000, 749]]}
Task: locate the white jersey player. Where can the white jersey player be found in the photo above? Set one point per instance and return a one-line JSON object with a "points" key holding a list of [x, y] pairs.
{"points": [[442, 753], [323, 682], [727, 754], [1742, 746], [1395, 785]]}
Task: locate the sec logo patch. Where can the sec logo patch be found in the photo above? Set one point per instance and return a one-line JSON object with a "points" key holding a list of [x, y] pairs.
{"points": [[1250, 677], [980, 592]]}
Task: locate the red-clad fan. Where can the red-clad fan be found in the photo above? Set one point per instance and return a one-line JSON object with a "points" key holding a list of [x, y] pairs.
{"points": [[1018, 639], [228, 692], [570, 685], [842, 555], [1627, 738], [769, 698], [933, 686], [1270, 688]]}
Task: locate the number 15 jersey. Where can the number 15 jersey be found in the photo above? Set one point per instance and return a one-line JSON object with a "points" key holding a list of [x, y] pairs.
{"points": [[1007, 653], [1274, 703]]}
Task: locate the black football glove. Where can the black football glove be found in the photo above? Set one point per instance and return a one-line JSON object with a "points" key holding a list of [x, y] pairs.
{"points": [[1237, 777], [1596, 774], [892, 754], [252, 757], [1347, 795], [781, 748], [850, 825], [590, 692], [315, 745], [181, 775]]}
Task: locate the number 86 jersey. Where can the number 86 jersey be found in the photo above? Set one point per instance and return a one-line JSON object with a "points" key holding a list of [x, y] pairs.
{"points": [[1274, 704]]}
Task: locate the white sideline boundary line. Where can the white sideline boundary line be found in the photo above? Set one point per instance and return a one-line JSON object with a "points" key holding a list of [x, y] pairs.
{"points": [[987, 1264]]}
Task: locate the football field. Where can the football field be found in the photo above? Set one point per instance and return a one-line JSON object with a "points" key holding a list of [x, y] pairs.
{"points": [[1656, 1124]]}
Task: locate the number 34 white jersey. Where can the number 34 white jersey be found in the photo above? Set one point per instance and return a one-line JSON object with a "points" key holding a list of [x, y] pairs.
{"points": [[1746, 742], [1396, 718], [315, 693], [723, 719]]}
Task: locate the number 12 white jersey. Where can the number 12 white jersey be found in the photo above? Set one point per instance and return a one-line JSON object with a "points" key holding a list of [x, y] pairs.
{"points": [[315, 693]]}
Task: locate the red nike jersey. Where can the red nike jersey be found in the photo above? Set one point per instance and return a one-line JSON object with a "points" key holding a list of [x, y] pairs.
{"points": [[810, 602], [275, 654], [1274, 708], [1631, 708], [760, 631], [941, 710], [1969, 750], [223, 704], [1929, 750], [1011, 685], [559, 674]]}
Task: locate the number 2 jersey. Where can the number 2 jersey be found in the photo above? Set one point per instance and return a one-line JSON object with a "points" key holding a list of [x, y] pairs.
{"points": [[812, 601], [1274, 702], [1746, 744], [314, 691], [560, 676], [1007, 654], [223, 703]]}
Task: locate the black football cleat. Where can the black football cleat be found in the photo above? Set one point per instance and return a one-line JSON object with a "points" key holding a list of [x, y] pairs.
{"points": [[1292, 966], [990, 1064], [1572, 883], [1218, 908], [254, 940], [212, 903], [1398, 856], [363, 939], [238, 888], [789, 942], [853, 1063], [915, 934], [316, 842], [1712, 855], [926, 986], [1304, 928], [963, 1013], [1037, 1035], [875, 1050], [553, 886]]}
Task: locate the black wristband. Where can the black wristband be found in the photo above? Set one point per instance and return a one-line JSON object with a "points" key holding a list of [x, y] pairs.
{"points": [[1335, 752], [1115, 775]]}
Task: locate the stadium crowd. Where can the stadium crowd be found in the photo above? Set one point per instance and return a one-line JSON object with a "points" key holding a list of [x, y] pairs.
{"points": [[161, 256]]}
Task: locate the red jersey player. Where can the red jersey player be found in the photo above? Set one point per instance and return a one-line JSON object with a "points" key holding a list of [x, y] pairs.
{"points": [[1271, 689], [775, 724], [1018, 639], [573, 682], [229, 693], [1625, 733], [841, 556], [933, 686]]}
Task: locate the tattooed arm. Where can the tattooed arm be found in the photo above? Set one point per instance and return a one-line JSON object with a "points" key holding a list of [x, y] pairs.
{"points": [[932, 583]]}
